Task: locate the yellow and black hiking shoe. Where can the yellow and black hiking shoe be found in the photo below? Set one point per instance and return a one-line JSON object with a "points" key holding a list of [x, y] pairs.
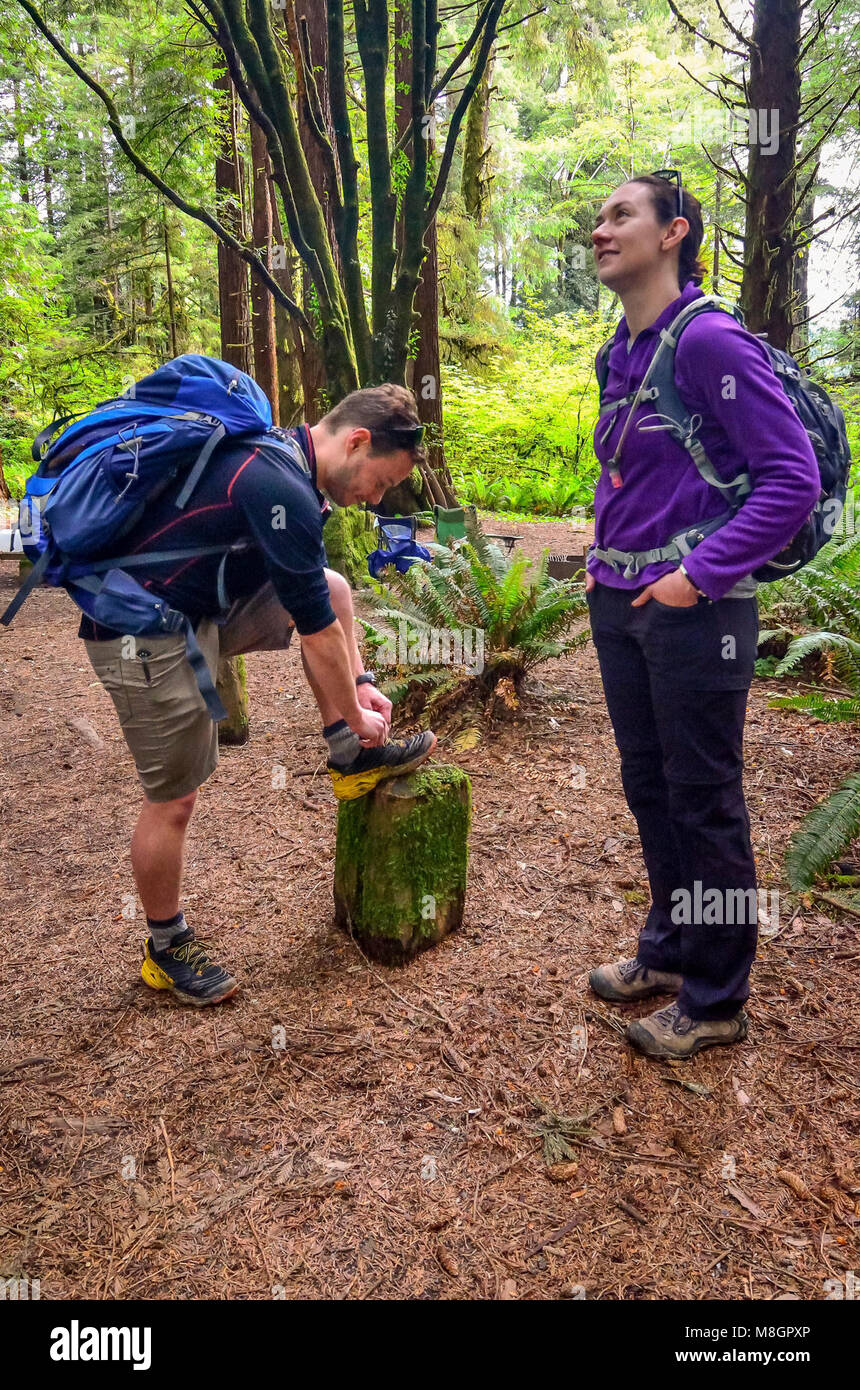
{"points": [[373, 765], [186, 968]]}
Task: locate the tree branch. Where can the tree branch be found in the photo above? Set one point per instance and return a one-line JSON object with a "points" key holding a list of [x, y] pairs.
{"points": [[816, 145], [487, 40], [190, 209], [706, 37], [741, 38]]}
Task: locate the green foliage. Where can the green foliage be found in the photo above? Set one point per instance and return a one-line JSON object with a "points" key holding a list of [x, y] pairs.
{"points": [[524, 618], [824, 834], [519, 435], [825, 591]]}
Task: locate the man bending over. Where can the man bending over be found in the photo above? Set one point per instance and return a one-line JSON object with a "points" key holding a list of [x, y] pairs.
{"points": [[270, 494]]}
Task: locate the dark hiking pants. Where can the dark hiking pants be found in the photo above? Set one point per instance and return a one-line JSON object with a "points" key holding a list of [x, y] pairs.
{"points": [[676, 682]]}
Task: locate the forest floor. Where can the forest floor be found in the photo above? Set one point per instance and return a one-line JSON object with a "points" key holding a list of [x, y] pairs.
{"points": [[394, 1143]]}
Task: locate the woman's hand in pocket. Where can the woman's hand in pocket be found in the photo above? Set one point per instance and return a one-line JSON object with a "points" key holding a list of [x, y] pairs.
{"points": [[590, 582], [674, 590]]}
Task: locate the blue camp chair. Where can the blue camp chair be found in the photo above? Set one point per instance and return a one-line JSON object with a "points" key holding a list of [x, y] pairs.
{"points": [[396, 528], [397, 545]]}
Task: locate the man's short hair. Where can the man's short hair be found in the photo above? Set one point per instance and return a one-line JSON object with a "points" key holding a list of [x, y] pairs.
{"points": [[388, 411]]}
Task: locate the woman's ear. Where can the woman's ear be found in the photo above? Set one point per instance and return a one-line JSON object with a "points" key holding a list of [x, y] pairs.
{"points": [[675, 233]]}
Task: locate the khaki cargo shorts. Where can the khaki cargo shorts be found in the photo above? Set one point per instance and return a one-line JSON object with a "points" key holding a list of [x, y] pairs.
{"points": [[172, 738]]}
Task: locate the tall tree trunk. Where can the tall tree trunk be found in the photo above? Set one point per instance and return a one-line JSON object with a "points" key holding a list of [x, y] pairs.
{"points": [[427, 372], [800, 305], [718, 188], [424, 370], [235, 349], [307, 33], [171, 309], [289, 346], [774, 102], [475, 184], [23, 173], [232, 272], [262, 304], [306, 22], [47, 180]]}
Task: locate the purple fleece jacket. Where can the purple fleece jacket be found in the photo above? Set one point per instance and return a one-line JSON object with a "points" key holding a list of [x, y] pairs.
{"points": [[724, 374]]}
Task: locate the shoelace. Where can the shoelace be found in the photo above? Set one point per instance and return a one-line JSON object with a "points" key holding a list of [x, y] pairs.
{"points": [[629, 970], [671, 1017], [193, 954], [668, 1015]]}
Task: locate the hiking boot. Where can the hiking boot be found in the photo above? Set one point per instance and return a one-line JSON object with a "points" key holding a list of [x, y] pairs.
{"points": [[627, 980], [671, 1035], [372, 765], [186, 968]]}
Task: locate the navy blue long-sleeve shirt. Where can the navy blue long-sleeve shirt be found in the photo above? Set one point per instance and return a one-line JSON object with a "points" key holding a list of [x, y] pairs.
{"points": [[250, 491]]}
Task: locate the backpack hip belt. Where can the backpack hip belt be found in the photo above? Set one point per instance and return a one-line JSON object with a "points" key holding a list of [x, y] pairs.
{"points": [[675, 549]]}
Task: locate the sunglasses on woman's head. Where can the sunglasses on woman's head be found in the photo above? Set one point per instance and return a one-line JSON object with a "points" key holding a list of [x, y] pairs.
{"points": [[672, 176]]}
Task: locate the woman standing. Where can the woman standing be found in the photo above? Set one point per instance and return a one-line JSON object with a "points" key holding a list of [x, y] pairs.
{"points": [[676, 641]]}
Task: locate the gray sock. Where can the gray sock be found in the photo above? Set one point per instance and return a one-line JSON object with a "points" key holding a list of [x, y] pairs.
{"points": [[343, 744], [164, 933]]}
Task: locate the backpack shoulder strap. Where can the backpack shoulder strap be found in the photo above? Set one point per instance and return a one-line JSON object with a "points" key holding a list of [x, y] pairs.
{"points": [[602, 365], [672, 410]]}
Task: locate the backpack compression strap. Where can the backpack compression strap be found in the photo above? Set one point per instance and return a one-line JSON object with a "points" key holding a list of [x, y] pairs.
{"points": [[34, 578]]}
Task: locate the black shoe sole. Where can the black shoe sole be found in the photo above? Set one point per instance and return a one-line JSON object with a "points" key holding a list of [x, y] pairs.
{"points": [[349, 786]]}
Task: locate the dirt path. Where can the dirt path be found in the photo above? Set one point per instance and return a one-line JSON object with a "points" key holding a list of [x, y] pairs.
{"points": [[155, 1152]]}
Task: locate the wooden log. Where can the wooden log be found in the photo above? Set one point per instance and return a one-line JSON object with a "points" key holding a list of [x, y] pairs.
{"points": [[232, 687], [400, 865]]}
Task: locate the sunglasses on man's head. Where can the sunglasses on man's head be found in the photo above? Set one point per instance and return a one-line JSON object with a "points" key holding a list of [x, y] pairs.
{"points": [[672, 176], [401, 438]]}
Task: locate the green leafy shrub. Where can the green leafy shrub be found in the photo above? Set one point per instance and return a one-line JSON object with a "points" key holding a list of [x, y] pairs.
{"points": [[524, 618], [518, 434], [827, 591]]}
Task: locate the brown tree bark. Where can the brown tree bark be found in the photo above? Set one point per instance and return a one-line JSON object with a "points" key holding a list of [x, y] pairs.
{"points": [[424, 370], [289, 345], [306, 27], [23, 172], [232, 272], [262, 304], [800, 304], [771, 183], [474, 183], [171, 308]]}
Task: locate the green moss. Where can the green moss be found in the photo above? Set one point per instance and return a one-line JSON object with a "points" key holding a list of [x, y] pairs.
{"points": [[350, 535], [232, 687], [397, 849]]}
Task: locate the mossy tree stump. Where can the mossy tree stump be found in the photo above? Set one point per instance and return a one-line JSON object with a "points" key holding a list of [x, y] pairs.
{"points": [[349, 536], [400, 865], [232, 687]]}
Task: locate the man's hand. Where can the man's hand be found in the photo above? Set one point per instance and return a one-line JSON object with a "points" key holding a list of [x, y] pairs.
{"points": [[371, 728], [590, 581], [371, 698], [675, 590]]}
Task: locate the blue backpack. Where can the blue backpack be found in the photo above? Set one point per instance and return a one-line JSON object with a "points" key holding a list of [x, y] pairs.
{"points": [[820, 416], [96, 476]]}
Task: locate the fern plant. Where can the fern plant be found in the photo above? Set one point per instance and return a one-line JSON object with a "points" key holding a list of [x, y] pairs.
{"points": [[523, 617], [826, 591]]}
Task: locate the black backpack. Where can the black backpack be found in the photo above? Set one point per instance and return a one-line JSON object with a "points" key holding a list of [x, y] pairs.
{"points": [[820, 416]]}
